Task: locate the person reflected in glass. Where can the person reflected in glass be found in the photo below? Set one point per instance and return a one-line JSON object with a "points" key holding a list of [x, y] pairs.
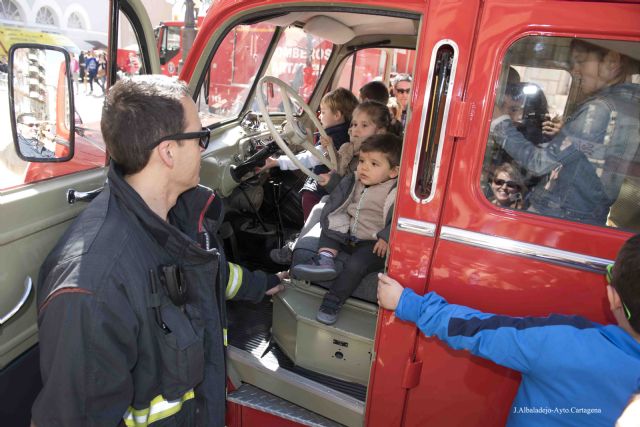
{"points": [[582, 167], [526, 105], [30, 145], [507, 187]]}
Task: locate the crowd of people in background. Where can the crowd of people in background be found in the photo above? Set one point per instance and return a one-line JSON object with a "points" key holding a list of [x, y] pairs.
{"points": [[90, 67]]}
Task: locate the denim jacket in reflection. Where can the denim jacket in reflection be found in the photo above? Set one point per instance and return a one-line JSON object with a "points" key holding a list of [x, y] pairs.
{"points": [[584, 165]]}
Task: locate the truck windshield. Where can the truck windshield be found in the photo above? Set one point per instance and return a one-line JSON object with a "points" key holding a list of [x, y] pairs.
{"points": [[298, 60], [233, 70]]}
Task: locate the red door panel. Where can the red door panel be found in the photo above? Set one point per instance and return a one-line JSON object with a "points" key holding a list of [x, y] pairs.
{"points": [[456, 389]]}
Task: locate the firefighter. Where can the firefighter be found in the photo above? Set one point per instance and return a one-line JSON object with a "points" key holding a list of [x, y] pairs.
{"points": [[131, 304]]}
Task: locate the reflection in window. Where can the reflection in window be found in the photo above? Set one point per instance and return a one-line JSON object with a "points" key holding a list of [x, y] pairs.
{"points": [[232, 71], [10, 11], [298, 60], [374, 64], [45, 16], [75, 21], [565, 138], [173, 38]]}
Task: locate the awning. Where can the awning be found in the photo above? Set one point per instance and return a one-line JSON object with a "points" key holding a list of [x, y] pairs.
{"points": [[11, 35]]}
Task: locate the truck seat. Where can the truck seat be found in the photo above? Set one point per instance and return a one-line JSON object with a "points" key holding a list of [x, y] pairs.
{"points": [[307, 246]]}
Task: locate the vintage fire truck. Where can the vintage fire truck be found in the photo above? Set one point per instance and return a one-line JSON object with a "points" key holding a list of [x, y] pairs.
{"points": [[229, 77], [472, 63]]}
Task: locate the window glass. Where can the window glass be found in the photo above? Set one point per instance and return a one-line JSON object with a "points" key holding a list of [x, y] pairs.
{"points": [[129, 62], [431, 147], [233, 70], [375, 64], [81, 42], [565, 134], [173, 38], [298, 60]]}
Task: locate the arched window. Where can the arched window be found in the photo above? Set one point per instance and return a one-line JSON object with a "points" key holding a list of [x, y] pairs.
{"points": [[46, 16], [10, 11], [75, 21]]}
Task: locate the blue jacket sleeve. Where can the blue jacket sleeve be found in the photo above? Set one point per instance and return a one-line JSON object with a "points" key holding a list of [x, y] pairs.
{"points": [[512, 342]]}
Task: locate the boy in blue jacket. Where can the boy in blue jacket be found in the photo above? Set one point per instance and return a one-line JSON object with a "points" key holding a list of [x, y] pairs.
{"points": [[568, 363]]}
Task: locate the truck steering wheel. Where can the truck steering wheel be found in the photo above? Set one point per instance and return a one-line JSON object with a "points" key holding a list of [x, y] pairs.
{"points": [[294, 133]]}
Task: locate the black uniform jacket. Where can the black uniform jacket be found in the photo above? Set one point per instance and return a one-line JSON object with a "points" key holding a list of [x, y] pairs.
{"points": [[113, 345]]}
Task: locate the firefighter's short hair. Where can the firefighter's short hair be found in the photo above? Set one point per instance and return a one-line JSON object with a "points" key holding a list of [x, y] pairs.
{"points": [[138, 111]]}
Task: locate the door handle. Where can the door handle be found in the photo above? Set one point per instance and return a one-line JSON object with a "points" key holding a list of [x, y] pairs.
{"points": [[28, 286], [82, 196]]}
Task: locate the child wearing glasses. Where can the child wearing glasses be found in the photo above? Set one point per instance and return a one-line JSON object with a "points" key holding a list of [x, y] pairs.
{"points": [[507, 187], [565, 361]]}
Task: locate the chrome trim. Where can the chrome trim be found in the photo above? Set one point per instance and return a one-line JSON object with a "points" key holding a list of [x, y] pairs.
{"points": [[527, 250], [417, 227], [423, 120], [28, 286]]}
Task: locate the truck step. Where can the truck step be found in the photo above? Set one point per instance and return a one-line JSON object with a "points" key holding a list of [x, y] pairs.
{"points": [[255, 398]]}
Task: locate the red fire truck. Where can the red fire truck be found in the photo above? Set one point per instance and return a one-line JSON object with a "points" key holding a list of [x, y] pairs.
{"points": [[231, 74], [449, 235], [474, 64], [170, 44]]}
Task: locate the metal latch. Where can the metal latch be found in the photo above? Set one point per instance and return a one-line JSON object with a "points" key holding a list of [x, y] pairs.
{"points": [[461, 113], [411, 376]]}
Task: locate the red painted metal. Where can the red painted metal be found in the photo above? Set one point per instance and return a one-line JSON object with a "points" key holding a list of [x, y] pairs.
{"points": [[238, 415], [455, 389]]}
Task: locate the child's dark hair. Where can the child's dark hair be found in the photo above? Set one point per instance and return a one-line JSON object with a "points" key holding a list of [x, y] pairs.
{"points": [[625, 278], [375, 91], [386, 143], [342, 100], [377, 112]]}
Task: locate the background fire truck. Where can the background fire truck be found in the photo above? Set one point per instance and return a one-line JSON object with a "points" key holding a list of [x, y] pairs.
{"points": [[299, 63]]}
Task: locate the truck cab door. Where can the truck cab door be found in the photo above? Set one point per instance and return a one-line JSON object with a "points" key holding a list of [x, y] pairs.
{"points": [[438, 124], [35, 203], [514, 259], [131, 27]]}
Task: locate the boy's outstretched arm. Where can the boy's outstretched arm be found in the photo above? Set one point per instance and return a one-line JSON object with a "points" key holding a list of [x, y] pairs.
{"points": [[513, 342]]}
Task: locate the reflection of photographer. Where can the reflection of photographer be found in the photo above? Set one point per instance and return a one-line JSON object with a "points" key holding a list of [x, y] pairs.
{"points": [[30, 145], [527, 106]]}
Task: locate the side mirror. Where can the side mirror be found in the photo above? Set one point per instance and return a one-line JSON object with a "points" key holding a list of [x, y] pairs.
{"points": [[41, 102]]}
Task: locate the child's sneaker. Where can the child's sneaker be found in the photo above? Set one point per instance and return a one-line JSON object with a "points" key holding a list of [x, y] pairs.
{"points": [[283, 255], [329, 309], [319, 269]]}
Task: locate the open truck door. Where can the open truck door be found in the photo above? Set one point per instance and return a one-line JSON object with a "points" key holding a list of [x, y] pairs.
{"points": [[52, 161]]}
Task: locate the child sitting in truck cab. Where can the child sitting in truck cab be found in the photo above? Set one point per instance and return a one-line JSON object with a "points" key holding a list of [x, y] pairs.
{"points": [[569, 364], [369, 118], [336, 109], [356, 219]]}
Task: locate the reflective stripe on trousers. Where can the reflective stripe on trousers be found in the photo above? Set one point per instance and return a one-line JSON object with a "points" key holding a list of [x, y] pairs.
{"points": [[159, 409]]}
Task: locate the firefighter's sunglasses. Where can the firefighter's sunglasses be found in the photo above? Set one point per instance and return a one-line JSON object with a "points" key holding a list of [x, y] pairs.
{"points": [[202, 136], [626, 309]]}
